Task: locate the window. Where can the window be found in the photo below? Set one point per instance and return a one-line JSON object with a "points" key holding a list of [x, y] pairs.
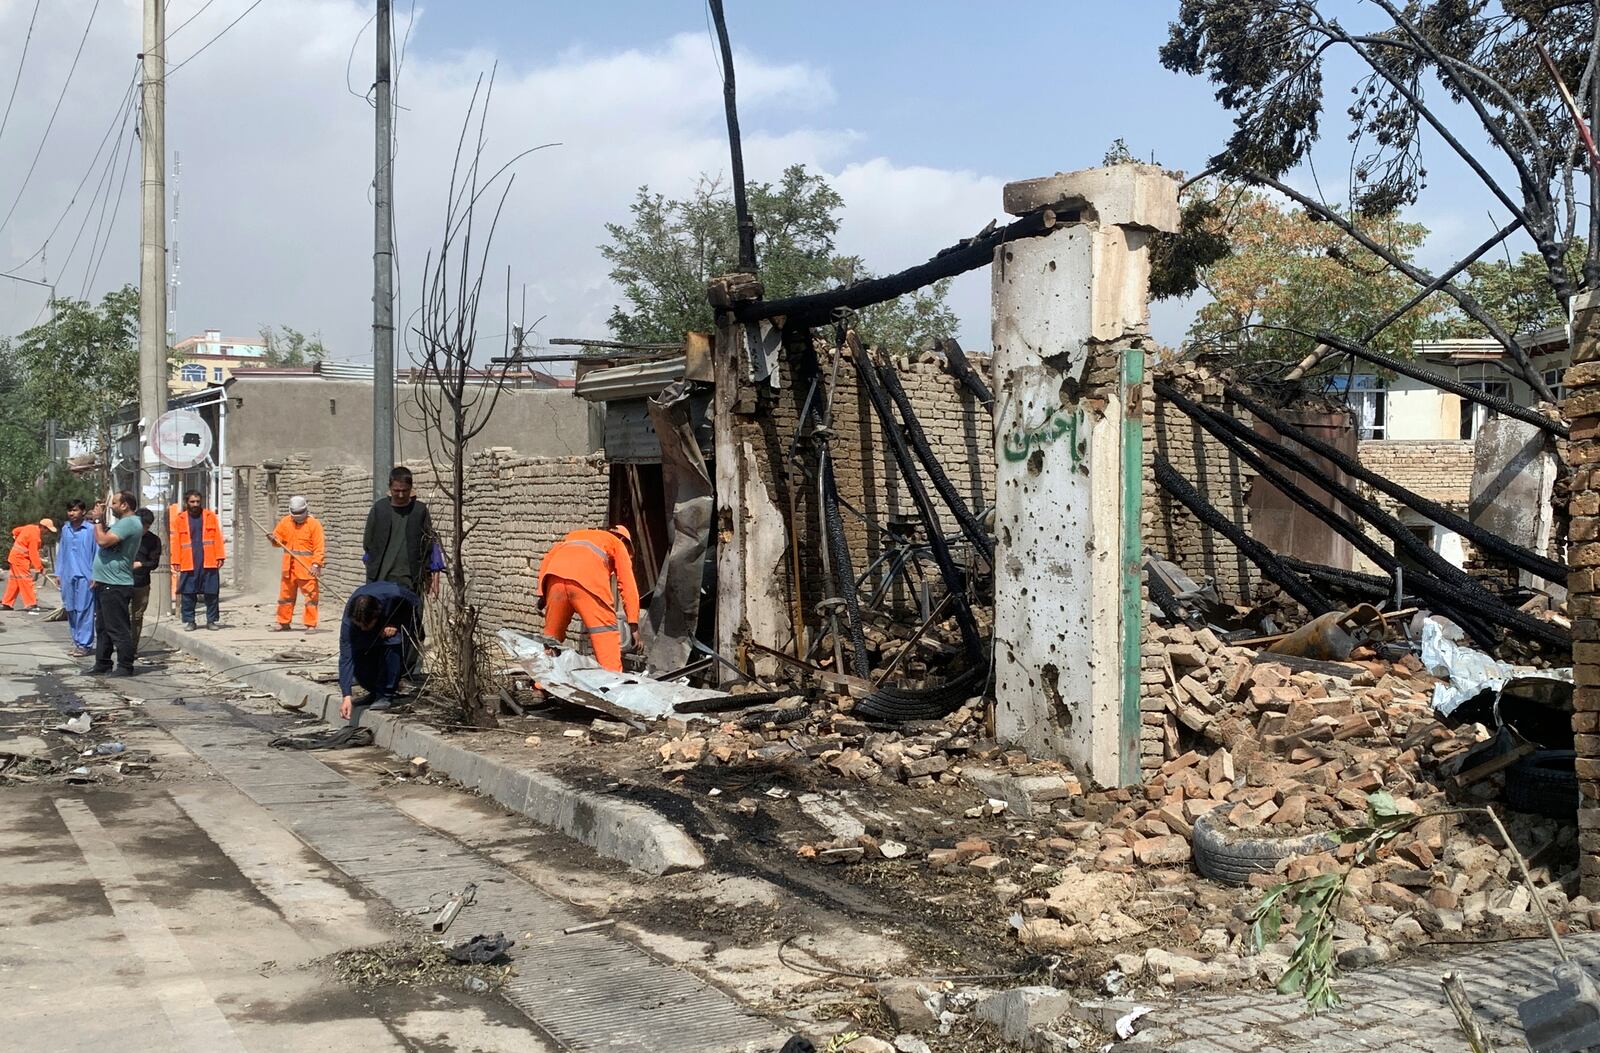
{"points": [[1490, 381], [1552, 380], [216, 374], [192, 373], [1368, 399]]}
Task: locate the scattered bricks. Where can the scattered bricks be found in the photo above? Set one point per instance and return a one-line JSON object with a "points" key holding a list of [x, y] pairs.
{"points": [[907, 1004], [1355, 727], [1162, 851], [1117, 857], [972, 849], [990, 864], [1391, 895], [1188, 760], [1059, 846], [1219, 767], [1366, 782], [1194, 718], [1442, 898], [1186, 656], [1260, 795], [1240, 681], [926, 766], [1291, 813], [1174, 818], [848, 854], [1195, 808]]}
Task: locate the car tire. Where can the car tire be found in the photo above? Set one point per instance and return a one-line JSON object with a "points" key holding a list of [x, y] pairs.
{"points": [[1231, 856]]}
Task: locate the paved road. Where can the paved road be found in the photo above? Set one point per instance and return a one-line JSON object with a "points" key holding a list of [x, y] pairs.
{"points": [[183, 911]]}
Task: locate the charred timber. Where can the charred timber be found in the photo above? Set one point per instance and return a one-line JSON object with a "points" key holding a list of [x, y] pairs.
{"points": [[1514, 554], [961, 368], [1270, 566], [967, 255]]}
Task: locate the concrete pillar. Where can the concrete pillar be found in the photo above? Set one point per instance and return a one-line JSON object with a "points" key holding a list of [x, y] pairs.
{"points": [[752, 535], [1070, 327], [1581, 407]]}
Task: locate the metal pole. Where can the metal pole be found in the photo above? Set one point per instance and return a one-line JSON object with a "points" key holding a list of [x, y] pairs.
{"points": [[153, 247], [383, 269]]}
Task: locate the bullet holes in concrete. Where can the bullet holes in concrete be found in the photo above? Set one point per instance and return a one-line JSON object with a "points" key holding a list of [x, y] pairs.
{"points": [[1035, 462]]}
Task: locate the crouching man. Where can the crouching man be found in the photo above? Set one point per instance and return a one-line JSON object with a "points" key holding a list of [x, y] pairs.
{"points": [[374, 640]]}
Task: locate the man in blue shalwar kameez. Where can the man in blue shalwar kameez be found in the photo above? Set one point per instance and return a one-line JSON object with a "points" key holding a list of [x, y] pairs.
{"points": [[75, 554]]}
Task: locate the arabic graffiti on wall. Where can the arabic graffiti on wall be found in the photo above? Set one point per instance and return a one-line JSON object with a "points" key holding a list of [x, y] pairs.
{"points": [[1061, 424]]}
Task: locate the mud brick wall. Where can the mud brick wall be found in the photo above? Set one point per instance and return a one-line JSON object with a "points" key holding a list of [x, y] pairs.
{"points": [[1582, 410], [1170, 531], [1440, 470], [518, 507]]}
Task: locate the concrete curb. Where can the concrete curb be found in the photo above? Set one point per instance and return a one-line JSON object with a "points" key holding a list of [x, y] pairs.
{"points": [[621, 830]]}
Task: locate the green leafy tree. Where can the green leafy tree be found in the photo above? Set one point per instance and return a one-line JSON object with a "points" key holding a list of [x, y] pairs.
{"points": [[287, 346], [1517, 292], [664, 256], [79, 368], [1287, 273]]}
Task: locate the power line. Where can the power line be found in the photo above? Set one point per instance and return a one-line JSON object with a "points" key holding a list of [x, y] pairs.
{"points": [[52, 123], [20, 63], [101, 186], [214, 39], [186, 21], [119, 117], [116, 193]]}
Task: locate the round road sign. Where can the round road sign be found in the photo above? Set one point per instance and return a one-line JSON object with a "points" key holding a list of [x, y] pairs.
{"points": [[181, 439]]}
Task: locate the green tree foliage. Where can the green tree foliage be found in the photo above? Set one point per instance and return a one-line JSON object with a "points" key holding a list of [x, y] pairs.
{"points": [[1284, 268], [1517, 292], [76, 370], [664, 256], [287, 346], [82, 365]]}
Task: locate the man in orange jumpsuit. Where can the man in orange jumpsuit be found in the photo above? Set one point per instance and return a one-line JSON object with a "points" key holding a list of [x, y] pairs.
{"points": [[304, 551], [24, 564], [575, 578], [196, 553]]}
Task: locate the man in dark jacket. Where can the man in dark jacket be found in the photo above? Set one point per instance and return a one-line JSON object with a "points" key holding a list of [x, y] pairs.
{"points": [[374, 638], [397, 544], [147, 559]]}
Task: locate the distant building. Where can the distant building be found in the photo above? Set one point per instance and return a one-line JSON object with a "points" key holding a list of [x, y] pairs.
{"points": [[1425, 439], [212, 358]]}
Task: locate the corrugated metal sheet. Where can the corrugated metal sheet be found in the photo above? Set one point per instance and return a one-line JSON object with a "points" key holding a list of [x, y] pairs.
{"points": [[630, 438], [636, 380]]}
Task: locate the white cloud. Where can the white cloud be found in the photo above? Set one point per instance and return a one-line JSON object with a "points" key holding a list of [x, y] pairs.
{"points": [[276, 222]]}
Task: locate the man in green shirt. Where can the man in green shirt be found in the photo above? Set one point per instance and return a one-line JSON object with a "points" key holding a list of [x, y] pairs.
{"points": [[112, 577]]}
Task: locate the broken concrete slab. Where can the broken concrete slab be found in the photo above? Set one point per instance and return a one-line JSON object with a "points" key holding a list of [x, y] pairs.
{"points": [[909, 1004], [1142, 196], [1018, 1011], [1027, 796]]}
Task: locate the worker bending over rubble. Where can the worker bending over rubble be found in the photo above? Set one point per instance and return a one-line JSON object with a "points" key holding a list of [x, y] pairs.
{"points": [[575, 577], [374, 638], [25, 565]]}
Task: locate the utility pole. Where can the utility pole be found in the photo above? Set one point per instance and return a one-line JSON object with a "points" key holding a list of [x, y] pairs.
{"points": [[383, 267], [153, 255]]}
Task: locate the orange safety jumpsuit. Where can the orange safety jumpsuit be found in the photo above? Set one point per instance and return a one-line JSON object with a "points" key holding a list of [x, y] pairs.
{"points": [[575, 578], [23, 563], [213, 551], [303, 548]]}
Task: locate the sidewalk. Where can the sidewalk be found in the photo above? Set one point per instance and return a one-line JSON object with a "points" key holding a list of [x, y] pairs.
{"points": [[300, 669]]}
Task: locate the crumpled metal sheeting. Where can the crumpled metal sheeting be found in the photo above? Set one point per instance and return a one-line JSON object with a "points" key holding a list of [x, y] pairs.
{"points": [[640, 695]]}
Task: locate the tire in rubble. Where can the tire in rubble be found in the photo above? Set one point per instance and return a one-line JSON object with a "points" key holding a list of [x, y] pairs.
{"points": [[1231, 857], [895, 705], [1544, 782]]}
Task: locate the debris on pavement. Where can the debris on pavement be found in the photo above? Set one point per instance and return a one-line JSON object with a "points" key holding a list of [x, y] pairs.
{"points": [[483, 950], [413, 962]]}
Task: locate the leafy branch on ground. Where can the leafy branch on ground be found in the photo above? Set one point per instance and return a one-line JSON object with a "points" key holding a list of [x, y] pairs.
{"points": [[1312, 967]]}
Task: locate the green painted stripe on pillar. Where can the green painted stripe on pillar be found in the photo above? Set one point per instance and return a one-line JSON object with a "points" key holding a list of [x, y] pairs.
{"points": [[1132, 556]]}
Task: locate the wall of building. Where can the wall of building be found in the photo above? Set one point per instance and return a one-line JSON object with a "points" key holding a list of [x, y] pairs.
{"points": [[519, 506], [329, 422]]}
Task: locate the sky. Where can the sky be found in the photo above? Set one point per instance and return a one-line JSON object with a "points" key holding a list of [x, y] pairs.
{"points": [[917, 112]]}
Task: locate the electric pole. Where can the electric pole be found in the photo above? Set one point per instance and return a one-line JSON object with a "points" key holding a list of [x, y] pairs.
{"points": [[153, 260], [383, 267]]}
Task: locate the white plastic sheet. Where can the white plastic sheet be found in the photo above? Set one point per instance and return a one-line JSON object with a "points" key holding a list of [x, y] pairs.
{"points": [[640, 695], [1469, 672]]}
